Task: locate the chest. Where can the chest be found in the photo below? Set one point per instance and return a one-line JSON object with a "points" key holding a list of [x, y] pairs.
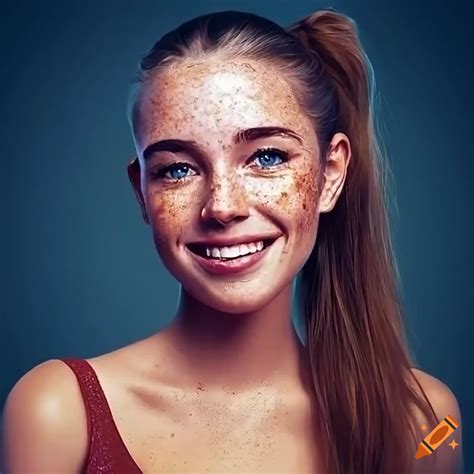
{"points": [[251, 452], [196, 450], [215, 436]]}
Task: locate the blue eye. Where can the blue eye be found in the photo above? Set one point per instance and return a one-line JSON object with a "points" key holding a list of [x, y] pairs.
{"points": [[264, 158], [178, 172], [175, 172], [270, 157]]}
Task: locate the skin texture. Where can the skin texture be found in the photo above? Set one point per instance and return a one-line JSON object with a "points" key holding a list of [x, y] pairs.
{"points": [[226, 195], [223, 388]]}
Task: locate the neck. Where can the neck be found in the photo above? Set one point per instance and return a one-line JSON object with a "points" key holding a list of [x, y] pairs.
{"points": [[237, 351]]}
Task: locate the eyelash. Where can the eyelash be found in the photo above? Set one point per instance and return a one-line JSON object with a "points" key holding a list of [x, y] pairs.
{"points": [[283, 155]]}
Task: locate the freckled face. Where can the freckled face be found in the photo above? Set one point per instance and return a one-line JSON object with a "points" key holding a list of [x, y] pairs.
{"points": [[225, 189]]}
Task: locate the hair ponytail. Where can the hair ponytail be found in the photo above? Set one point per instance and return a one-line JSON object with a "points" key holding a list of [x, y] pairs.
{"points": [[349, 291], [333, 38]]}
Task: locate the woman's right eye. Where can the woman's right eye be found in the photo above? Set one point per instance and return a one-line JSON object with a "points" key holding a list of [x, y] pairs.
{"points": [[174, 172]]}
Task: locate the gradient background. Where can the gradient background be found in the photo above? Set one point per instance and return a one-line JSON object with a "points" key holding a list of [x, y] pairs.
{"points": [[81, 276]]}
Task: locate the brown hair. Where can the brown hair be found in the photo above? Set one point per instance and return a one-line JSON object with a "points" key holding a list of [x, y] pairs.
{"points": [[357, 352]]}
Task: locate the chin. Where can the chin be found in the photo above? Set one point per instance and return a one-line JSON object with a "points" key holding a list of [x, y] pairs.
{"points": [[233, 306], [228, 298]]}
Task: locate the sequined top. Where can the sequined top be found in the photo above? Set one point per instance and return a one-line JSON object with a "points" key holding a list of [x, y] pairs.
{"points": [[107, 451]]}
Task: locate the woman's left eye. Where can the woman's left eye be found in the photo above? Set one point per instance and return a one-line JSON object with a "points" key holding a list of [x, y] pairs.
{"points": [[269, 157]]}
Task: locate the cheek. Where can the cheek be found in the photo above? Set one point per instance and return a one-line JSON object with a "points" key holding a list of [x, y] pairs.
{"points": [[169, 211], [293, 197], [307, 195]]}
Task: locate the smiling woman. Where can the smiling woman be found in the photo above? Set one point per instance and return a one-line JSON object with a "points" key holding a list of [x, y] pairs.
{"points": [[256, 163]]}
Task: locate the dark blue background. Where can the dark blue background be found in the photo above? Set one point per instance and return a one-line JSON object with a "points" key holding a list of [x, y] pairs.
{"points": [[81, 276]]}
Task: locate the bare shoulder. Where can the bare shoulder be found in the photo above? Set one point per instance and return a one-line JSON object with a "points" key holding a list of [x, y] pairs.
{"points": [[439, 394], [444, 402], [44, 422]]}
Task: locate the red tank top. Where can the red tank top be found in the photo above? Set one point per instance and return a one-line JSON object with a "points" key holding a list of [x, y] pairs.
{"points": [[107, 451]]}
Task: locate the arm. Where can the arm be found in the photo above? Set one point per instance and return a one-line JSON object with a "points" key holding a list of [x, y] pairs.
{"points": [[44, 423], [448, 461]]}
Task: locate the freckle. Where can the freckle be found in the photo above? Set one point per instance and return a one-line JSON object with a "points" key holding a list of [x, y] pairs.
{"points": [[172, 435]]}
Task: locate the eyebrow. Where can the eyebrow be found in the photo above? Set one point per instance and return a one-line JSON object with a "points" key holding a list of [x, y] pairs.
{"points": [[242, 136]]}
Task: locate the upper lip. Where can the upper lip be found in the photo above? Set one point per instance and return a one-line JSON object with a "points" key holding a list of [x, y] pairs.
{"points": [[229, 241]]}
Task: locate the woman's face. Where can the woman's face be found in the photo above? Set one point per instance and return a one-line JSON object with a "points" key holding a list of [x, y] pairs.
{"points": [[212, 186]]}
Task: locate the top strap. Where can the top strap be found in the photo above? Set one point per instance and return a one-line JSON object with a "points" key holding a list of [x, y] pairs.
{"points": [[107, 451]]}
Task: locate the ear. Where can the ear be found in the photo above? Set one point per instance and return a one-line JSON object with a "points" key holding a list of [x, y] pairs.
{"points": [[133, 170], [337, 162]]}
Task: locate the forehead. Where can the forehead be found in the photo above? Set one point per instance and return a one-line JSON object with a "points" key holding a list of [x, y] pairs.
{"points": [[216, 98]]}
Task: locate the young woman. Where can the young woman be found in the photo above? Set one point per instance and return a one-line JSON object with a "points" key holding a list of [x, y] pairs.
{"points": [[256, 160]]}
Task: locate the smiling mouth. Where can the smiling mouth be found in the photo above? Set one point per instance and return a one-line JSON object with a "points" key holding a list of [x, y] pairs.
{"points": [[229, 253]]}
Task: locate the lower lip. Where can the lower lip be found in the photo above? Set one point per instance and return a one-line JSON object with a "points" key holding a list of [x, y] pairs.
{"points": [[230, 267]]}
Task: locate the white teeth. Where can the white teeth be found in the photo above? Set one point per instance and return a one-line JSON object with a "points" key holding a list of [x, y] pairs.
{"points": [[235, 250], [244, 249], [252, 247], [230, 252]]}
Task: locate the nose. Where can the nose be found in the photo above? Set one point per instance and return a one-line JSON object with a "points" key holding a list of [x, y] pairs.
{"points": [[226, 200]]}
